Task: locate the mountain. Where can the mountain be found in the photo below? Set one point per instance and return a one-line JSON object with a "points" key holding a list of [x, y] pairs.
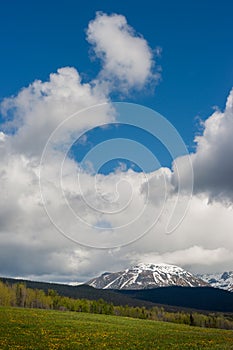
{"points": [[146, 276], [219, 280]]}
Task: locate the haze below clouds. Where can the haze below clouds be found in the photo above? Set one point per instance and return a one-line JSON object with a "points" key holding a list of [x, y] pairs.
{"points": [[31, 245]]}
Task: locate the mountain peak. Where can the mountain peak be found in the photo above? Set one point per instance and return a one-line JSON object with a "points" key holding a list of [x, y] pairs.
{"points": [[145, 276]]}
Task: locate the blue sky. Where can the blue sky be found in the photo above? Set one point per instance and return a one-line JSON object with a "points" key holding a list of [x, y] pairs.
{"points": [[195, 37]]}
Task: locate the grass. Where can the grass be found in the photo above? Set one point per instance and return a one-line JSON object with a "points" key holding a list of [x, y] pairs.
{"points": [[41, 329]]}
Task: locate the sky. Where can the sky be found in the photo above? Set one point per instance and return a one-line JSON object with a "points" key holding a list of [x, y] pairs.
{"points": [[116, 123]]}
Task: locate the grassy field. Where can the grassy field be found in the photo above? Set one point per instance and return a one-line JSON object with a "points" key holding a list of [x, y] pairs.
{"points": [[41, 329]]}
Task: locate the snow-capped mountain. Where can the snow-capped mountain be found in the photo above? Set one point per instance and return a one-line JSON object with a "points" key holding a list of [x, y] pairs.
{"points": [[219, 280], [143, 276]]}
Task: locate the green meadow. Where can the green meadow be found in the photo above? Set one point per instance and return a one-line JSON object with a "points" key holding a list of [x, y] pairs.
{"points": [[46, 329]]}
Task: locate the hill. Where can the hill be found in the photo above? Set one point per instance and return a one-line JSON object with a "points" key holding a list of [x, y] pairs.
{"points": [[201, 298], [45, 329], [81, 292]]}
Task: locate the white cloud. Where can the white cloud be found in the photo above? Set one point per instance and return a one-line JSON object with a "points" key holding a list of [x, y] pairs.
{"points": [[126, 57], [212, 161]]}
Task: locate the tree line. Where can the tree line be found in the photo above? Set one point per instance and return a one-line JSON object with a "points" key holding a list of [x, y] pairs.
{"points": [[18, 295]]}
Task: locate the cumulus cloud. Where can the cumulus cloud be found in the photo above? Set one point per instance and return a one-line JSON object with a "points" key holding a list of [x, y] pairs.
{"points": [[212, 160], [37, 110], [126, 56]]}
